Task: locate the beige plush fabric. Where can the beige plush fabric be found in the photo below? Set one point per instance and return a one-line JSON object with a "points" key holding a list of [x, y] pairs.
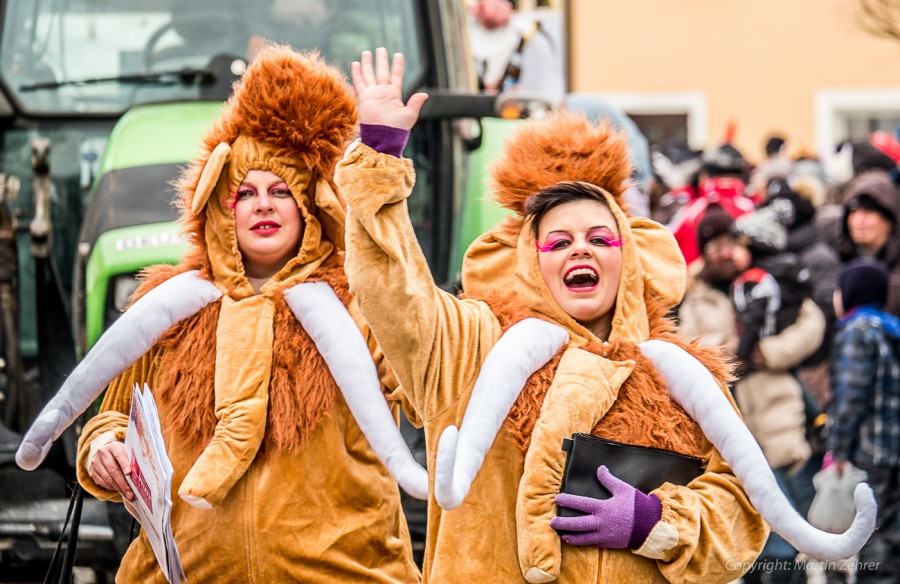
{"points": [[437, 346], [324, 512]]}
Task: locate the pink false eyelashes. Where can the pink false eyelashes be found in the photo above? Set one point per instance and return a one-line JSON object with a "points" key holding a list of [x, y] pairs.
{"points": [[550, 246]]}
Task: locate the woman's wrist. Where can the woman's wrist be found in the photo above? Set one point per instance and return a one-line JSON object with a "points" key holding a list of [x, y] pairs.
{"points": [[647, 513], [98, 443], [384, 139]]}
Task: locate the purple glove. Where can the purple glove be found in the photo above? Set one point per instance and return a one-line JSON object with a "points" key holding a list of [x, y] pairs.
{"points": [[622, 521]]}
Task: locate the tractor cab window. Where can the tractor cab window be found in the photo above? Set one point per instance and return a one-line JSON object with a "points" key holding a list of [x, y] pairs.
{"points": [[102, 57]]}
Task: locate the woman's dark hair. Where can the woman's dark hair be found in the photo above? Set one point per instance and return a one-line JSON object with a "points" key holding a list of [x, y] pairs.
{"points": [[558, 194]]}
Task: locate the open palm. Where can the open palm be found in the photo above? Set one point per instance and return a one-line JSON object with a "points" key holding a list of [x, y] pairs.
{"points": [[380, 91]]}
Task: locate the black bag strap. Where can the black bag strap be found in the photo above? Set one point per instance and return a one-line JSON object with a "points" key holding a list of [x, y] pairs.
{"points": [[60, 571]]}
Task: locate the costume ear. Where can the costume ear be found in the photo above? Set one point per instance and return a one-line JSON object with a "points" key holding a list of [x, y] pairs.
{"points": [[662, 263], [489, 264], [330, 212], [210, 176]]}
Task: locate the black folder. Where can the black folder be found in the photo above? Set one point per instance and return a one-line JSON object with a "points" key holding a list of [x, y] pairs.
{"points": [[642, 467]]}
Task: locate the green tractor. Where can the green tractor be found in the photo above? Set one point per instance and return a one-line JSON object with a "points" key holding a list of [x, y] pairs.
{"points": [[101, 103]]}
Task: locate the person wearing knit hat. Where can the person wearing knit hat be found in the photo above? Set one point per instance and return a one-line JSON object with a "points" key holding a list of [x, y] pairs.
{"points": [[752, 297], [779, 326], [706, 312], [715, 223], [270, 388], [774, 284], [864, 416], [798, 215], [862, 281], [562, 330], [869, 226]]}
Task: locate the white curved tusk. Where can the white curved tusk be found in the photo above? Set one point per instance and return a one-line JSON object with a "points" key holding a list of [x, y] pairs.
{"points": [[523, 349], [129, 337], [341, 344], [694, 388]]}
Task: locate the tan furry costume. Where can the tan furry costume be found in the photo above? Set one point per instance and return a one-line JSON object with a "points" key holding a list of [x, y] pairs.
{"points": [[501, 530], [283, 485]]}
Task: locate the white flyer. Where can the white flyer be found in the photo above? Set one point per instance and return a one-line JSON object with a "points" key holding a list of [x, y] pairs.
{"points": [[151, 481]]}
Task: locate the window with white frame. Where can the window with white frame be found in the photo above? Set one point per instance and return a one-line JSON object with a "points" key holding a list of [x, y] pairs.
{"points": [[853, 114]]}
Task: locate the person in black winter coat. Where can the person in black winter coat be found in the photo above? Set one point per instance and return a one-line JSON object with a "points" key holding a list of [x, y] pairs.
{"points": [[771, 293], [771, 289], [797, 214]]}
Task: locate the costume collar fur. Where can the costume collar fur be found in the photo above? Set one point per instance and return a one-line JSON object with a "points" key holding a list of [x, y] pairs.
{"points": [[668, 427], [302, 391]]}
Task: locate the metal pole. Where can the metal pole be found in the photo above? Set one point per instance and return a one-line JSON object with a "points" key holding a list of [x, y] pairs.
{"points": [[12, 356], [65, 575]]}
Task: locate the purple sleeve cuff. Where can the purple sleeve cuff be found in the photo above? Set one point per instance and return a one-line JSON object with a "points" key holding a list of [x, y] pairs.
{"points": [[384, 139], [647, 513]]}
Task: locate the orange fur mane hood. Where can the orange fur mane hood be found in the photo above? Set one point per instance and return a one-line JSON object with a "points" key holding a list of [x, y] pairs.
{"points": [[565, 146], [291, 114], [311, 121]]}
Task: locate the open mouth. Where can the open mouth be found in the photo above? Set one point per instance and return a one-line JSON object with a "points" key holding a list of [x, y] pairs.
{"points": [[581, 278]]}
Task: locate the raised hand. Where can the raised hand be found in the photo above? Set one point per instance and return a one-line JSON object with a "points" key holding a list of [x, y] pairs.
{"points": [[380, 91]]}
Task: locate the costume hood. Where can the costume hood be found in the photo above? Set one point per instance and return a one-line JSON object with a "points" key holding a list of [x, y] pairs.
{"points": [[293, 115], [567, 147], [879, 188]]}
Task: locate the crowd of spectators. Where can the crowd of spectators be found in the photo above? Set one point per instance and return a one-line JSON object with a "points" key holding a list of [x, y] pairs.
{"points": [[770, 249]]}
